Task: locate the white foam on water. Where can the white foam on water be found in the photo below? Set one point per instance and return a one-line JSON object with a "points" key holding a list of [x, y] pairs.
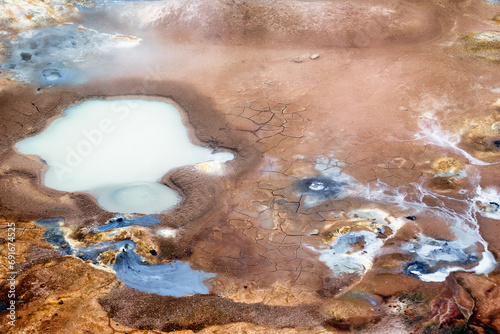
{"points": [[118, 150]]}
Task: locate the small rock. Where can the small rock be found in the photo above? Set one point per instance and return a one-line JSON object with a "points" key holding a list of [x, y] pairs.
{"points": [[64, 245], [411, 217], [297, 60], [315, 56], [61, 302]]}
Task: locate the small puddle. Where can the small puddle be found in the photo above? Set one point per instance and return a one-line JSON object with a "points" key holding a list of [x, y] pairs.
{"points": [[168, 279], [117, 150]]}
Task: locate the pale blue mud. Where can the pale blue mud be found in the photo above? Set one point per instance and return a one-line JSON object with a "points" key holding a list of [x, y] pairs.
{"points": [[168, 279]]}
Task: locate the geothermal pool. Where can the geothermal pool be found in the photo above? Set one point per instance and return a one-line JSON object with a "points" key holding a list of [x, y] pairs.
{"points": [[167, 279], [118, 150]]}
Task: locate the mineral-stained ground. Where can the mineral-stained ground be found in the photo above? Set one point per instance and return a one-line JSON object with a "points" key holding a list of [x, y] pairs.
{"points": [[363, 195]]}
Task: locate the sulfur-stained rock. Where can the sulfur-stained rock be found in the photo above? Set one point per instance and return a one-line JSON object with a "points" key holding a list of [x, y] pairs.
{"points": [[42, 287], [454, 306], [352, 311], [484, 45], [486, 295], [447, 166]]}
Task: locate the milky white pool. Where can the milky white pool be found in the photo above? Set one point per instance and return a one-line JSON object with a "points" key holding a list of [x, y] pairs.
{"points": [[118, 150]]}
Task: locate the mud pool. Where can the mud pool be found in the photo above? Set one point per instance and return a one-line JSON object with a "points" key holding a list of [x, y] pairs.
{"points": [[173, 279], [110, 148]]}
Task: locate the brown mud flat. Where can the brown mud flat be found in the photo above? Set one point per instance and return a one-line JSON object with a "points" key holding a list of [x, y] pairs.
{"points": [[23, 175], [243, 77]]}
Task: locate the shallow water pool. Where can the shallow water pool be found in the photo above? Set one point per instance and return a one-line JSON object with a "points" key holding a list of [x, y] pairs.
{"points": [[118, 150]]}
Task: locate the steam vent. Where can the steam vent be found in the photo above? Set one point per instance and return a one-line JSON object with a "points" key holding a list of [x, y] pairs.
{"points": [[260, 166]]}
